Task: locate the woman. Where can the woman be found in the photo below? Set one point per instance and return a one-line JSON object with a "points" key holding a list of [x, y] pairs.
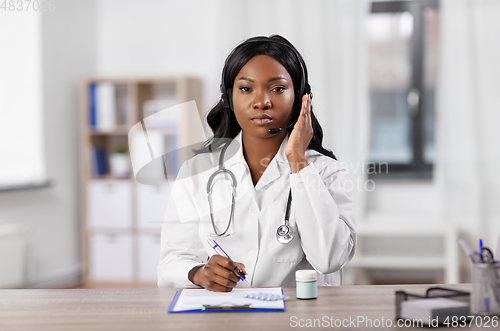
{"points": [[277, 165]]}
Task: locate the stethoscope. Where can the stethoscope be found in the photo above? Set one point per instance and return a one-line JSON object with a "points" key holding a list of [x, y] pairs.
{"points": [[284, 234]]}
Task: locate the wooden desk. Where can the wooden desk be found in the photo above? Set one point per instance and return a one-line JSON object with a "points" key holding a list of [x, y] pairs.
{"points": [[145, 309]]}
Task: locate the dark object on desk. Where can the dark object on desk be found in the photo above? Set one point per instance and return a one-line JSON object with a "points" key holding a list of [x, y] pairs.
{"points": [[240, 307], [432, 293]]}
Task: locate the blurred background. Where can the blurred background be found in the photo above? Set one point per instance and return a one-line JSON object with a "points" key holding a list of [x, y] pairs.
{"points": [[406, 93]]}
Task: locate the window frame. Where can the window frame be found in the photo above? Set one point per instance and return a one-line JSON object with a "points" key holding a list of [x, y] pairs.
{"points": [[417, 168]]}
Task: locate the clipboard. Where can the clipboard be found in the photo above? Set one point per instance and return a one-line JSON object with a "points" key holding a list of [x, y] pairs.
{"points": [[204, 301]]}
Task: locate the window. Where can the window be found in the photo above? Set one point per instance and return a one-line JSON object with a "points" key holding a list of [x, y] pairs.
{"points": [[403, 40], [22, 160]]}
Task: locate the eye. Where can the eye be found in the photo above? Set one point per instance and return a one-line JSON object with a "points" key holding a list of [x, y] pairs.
{"points": [[244, 89], [279, 89]]}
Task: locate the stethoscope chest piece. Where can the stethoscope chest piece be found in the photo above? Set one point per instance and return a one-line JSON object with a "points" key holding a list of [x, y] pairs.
{"points": [[284, 234]]}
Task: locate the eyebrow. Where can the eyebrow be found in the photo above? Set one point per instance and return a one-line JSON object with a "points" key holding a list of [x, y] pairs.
{"points": [[269, 80]]}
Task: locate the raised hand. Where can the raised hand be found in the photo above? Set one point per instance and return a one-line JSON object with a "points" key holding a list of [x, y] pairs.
{"points": [[300, 137]]}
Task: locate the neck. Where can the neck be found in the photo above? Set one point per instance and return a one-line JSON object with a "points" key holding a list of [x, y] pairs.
{"points": [[259, 152]]}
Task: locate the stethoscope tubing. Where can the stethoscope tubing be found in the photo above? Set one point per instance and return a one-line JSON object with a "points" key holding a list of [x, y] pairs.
{"points": [[283, 234]]}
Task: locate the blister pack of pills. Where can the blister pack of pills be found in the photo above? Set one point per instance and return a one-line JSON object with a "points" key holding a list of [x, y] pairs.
{"points": [[265, 296]]}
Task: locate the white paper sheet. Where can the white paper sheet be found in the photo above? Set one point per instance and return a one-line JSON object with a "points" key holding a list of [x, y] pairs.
{"points": [[194, 299]]}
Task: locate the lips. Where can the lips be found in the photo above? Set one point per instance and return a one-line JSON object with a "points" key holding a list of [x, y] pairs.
{"points": [[262, 119]]}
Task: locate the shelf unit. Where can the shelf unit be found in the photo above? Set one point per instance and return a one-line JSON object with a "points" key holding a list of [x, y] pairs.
{"points": [[121, 217]]}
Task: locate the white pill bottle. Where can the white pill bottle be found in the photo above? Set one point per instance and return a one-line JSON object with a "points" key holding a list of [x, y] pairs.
{"points": [[307, 284]]}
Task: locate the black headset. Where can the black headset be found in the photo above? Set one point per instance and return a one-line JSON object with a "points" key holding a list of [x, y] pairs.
{"points": [[226, 94]]}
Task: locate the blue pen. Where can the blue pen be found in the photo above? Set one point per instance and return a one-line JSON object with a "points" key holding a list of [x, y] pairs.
{"points": [[481, 248], [216, 247]]}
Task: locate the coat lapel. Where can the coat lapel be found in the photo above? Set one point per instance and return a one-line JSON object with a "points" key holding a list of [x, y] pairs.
{"points": [[276, 168]]}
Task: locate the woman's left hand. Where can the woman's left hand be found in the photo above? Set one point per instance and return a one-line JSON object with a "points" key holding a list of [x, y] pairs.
{"points": [[300, 137]]}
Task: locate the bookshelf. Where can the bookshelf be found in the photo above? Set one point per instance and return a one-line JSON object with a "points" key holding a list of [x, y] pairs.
{"points": [[121, 217]]}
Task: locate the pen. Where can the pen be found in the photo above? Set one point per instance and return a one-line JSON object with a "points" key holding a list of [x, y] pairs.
{"points": [[216, 247], [481, 248], [466, 246]]}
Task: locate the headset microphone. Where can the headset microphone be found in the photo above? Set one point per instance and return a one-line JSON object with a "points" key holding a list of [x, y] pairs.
{"points": [[276, 130]]}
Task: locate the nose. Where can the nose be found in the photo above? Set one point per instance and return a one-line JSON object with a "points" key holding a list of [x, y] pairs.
{"points": [[261, 100]]}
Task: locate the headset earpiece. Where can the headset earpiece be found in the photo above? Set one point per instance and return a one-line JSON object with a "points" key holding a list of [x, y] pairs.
{"points": [[226, 97], [223, 98]]}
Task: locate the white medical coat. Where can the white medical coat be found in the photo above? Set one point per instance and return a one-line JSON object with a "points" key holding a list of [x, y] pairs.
{"points": [[322, 217]]}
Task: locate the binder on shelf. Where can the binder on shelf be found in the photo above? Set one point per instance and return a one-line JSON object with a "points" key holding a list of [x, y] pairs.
{"points": [[99, 165], [106, 106], [102, 106], [92, 104], [124, 106]]}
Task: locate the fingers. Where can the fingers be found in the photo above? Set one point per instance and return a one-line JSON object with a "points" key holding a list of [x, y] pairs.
{"points": [[308, 110], [241, 267], [301, 135], [220, 282], [219, 274], [227, 268], [305, 111]]}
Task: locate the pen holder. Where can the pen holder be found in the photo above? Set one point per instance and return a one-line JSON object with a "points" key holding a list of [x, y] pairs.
{"points": [[485, 298]]}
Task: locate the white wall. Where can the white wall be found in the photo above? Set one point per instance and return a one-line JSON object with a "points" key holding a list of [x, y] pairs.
{"points": [[53, 213], [399, 198], [161, 38]]}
